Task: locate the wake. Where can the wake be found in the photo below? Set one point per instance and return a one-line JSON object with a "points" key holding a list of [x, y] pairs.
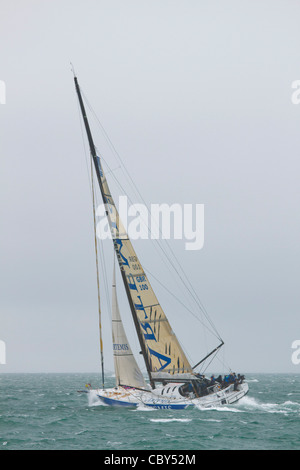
{"points": [[251, 404]]}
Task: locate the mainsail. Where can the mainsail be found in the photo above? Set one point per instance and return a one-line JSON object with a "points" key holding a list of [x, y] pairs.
{"points": [[164, 358], [162, 352], [126, 369]]}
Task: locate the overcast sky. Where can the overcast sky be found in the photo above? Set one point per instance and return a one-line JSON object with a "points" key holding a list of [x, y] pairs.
{"points": [[196, 98]]}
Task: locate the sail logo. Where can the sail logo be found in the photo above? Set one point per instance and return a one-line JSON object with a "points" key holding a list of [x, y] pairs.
{"points": [[120, 347], [296, 353], [2, 92], [2, 353], [163, 221]]}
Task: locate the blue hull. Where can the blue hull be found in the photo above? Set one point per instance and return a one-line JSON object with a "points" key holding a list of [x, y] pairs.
{"points": [[111, 402], [157, 406]]}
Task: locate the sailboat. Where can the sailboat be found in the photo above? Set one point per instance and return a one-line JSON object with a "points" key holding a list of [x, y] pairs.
{"points": [[173, 383]]}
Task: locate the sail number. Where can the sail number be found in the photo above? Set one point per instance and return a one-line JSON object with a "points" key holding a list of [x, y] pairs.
{"points": [[136, 267], [144, 287], [134, 263], [141, 279]]}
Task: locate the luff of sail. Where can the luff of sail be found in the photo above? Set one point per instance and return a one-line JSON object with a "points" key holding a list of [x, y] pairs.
{"points": [[164, 357], [126, 368]]}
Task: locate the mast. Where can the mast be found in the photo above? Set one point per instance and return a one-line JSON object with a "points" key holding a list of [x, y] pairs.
{"points": [[95, 159], [93, 154]]}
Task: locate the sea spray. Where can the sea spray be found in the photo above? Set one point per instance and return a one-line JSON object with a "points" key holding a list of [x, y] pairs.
{"points": [[93, 399]]}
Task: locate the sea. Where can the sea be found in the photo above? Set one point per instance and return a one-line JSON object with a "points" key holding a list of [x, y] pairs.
{"points": [[52, 412]]}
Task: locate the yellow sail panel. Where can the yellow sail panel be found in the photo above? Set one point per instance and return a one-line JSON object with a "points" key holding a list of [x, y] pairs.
{"points": [[161, 347]]}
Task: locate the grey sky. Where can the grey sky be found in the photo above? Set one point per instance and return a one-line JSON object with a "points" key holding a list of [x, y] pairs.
{"points": [[196, 97]]}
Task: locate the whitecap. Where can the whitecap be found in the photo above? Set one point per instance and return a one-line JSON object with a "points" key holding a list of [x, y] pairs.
{"points": [[218, 408], [114, 443], [212, 420], [293, 403], [170, 420], [251, 404]]}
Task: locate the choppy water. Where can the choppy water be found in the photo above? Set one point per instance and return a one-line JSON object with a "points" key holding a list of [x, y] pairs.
{"points": [[45, 411]]}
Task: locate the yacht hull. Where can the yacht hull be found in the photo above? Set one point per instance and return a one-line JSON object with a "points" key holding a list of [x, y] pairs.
{"points": [[133, 398]]}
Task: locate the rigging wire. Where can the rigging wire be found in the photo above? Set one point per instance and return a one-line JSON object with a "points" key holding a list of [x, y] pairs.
{"points": [[103, 264], [205, 327], [98, 249], [163, 259], [172, 273], [102, 257], [98, 280], [183, 277], [178, 300], [179, 270]]}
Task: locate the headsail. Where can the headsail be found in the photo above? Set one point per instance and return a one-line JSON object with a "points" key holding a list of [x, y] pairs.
{"points": [[126, 369]]}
